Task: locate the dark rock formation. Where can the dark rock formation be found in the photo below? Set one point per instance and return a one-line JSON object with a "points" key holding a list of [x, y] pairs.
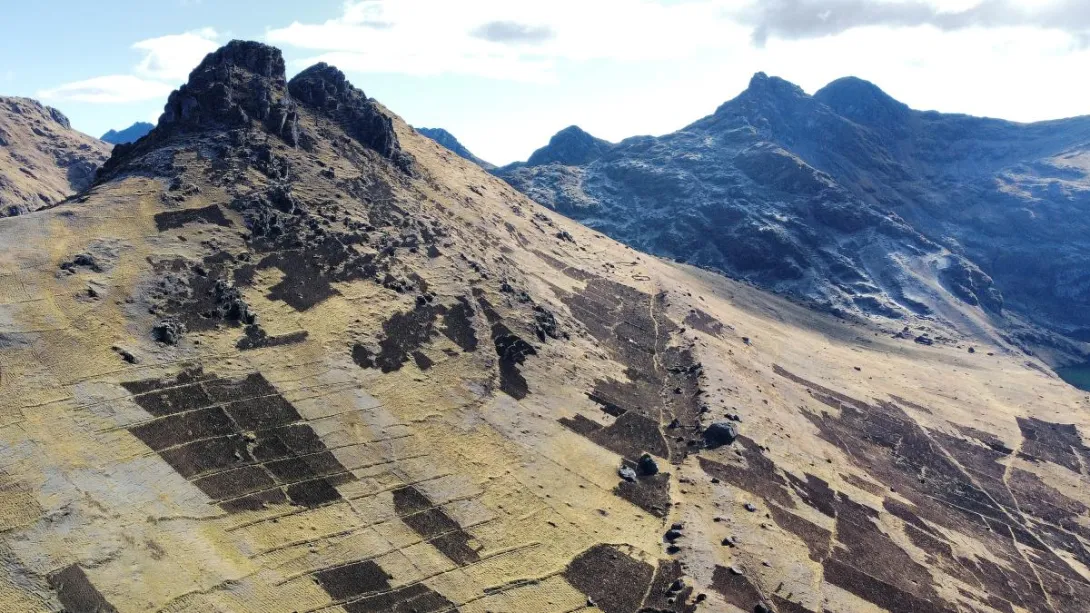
{"points": [[239, 83], [720, 433], [571, 146], [325, 89]]}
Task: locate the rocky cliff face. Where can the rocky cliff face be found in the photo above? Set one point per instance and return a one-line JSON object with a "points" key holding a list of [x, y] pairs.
{"points": [[448, 140], [290, 355], [852, 200], [42, 159]]}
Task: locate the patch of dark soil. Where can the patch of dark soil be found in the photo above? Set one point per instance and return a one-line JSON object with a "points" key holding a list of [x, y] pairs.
{"points": [[512, 351], [957, 484], [663, 381], [755, 473], [364, 587], [257, 338], [736, 589], [406, 333], [434, 525], [1056, 443], [817, 539], [76, 592], [458, 325], [649, 492], [171, 220], [613, 580], [699, 320], [239, 441], [783, 605], [669, 592], [629, 436]]}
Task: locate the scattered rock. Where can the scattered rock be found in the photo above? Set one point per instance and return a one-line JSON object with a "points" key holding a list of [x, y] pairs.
{"points": [[752, 508], [83, 260], [168, 331], [719, 434], [647, 465], [627, 474]]}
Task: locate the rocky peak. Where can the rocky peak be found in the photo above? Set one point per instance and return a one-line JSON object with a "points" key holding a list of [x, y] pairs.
{"points": [[765, 87], [241, 82], [571, 146], [863, 102], [770, 99], [327, 91]]}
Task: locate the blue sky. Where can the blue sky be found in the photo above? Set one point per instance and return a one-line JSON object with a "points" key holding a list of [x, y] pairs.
{"points": [[504, 75]]}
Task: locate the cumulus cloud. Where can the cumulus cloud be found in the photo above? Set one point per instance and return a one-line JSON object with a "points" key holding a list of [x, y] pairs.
{"points": [[800, 19], [110, 89], [166, 62], [516, 40], [170, 58]]}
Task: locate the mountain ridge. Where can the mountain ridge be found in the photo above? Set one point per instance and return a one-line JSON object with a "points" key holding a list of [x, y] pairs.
{"points": [[42, 159], [816, 171]]}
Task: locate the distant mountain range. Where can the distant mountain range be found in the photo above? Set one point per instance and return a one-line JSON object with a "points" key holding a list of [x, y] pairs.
{"points": [[130, 134], [851, 200], [447, 139]]}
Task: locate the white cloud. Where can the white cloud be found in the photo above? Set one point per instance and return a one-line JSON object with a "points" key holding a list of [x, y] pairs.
{"points": [[110, 89], [166, 63], [170, 58], [508, 40]]}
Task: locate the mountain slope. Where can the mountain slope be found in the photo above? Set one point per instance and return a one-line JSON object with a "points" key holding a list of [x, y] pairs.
{"points": [[130, 134], [448, 140], [291, 355], [850, 199], [42, 159]]}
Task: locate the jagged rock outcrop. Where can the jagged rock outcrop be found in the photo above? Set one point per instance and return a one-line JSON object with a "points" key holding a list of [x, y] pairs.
{"points": [[242, 375], [42, 159], [326, 89], [448, 140], [130, 134], [852, 200]]}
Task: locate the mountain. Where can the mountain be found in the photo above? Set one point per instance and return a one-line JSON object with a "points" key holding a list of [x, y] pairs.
{"points": [[571, 146], [130, 134], [288, 354], [447, 139], [42, 159], [852, 201]]}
